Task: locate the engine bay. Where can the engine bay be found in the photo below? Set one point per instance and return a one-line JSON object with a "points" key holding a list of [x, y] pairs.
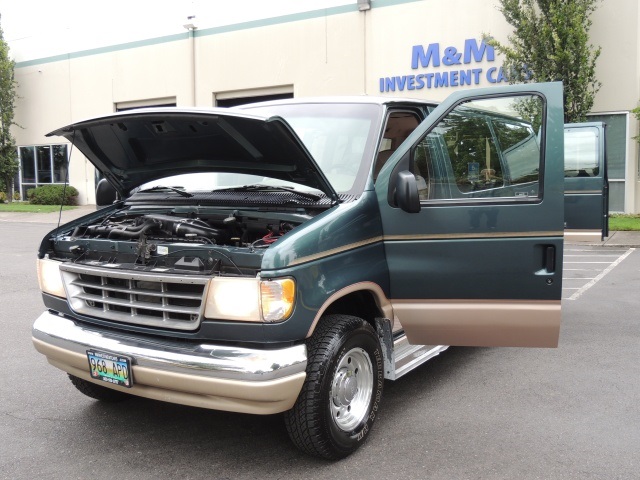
{"points": [[196, 240]]}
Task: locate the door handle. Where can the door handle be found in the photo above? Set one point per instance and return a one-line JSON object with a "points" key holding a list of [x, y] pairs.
{"points": [[550, 258]]}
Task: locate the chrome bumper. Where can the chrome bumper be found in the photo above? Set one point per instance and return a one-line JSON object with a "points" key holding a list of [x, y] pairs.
{"points": [[210, 376]]}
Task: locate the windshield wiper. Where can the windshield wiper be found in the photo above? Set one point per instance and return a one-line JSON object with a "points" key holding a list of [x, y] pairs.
{"points": [[173, 189], [270, 188]]}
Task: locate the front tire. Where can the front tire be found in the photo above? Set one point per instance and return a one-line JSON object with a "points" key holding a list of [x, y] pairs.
{"points": [[98, 392], [341, 395]]}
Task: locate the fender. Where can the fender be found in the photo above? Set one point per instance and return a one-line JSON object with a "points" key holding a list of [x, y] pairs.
{"points": [[381, 300]]}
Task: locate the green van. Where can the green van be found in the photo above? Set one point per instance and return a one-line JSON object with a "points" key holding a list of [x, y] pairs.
{"points": [[289, 257]]}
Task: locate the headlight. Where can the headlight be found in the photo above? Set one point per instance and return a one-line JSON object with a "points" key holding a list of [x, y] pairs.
{"points": [[49, 277], [250, 299]]}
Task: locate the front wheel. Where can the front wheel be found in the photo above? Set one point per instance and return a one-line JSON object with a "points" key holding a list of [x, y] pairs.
{"points": [[341, 395], [98, 392]]}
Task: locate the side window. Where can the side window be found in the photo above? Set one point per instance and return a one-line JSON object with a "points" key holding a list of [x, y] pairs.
{"points": [[472, 152], [520, 150], [482, 149], [581, 152], [398, 127]]}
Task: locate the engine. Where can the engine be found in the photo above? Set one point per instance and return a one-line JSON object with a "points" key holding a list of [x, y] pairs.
{"points": [[215, 242], [231, 230]]}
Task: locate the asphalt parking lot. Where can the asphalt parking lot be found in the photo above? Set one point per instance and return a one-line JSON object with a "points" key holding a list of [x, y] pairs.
{"points": [[585, 266], [470, 413]]}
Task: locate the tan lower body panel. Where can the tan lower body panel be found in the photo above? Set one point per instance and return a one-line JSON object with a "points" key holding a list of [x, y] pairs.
{"points": [[478, 323], [265, 397], [582, 235]]}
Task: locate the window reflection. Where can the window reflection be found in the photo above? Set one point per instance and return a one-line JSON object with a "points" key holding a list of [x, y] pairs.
{"points": [[43, 155], [482, 149]]}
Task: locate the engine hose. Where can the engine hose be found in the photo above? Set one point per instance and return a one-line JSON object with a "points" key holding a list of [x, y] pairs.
{"points": [[148, 225], [182, 229], [137, 228], [97, 230]]}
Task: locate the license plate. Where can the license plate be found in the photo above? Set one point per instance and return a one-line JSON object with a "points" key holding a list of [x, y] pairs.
{"points": [[111, 368]]}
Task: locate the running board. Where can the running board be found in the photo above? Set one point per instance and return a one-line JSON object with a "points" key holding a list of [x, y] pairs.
{"points": [[400, 357], [407, 356]]}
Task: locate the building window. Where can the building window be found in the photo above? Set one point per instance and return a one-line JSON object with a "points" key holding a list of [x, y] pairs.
{"points": [[234, 102], [42, 165], [122, 108], [616, 150], [254, 95], [146, 103]]}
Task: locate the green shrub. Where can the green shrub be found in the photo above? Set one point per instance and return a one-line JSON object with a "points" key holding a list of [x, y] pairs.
{"points": [[3, 197], [52, 195], [16, 195]]}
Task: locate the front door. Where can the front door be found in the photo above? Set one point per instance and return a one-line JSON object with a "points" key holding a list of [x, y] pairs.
{"points": [[476, 259], [586, 199]]}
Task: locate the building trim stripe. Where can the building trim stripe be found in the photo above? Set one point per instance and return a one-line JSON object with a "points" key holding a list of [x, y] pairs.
{"points": [[293, 17], [101, 50]]}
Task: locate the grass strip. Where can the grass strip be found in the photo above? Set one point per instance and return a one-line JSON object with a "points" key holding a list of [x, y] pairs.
{"points": [[624, 222]]}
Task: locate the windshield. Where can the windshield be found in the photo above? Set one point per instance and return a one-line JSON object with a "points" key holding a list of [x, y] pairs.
{"points": [[339, 136], [209, 181]]}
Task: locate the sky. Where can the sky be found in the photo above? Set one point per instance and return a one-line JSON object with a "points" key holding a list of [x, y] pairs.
{"points": [[41, 28]]}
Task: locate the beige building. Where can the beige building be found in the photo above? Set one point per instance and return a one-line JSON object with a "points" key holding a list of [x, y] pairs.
{"points": [[407, 48]]}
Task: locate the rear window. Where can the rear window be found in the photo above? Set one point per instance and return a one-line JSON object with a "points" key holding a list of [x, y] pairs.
{"points": [[581, 152]]}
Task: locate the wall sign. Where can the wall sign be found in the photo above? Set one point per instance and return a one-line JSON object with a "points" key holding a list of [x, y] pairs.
{"points": [[434, 57]]}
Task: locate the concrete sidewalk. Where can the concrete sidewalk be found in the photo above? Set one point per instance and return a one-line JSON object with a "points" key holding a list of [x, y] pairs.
{"points": [[621, 239], [615, 239]]}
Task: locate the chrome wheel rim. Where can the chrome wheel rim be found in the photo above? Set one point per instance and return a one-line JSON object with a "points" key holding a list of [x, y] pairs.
{"points": [[351, 389]]}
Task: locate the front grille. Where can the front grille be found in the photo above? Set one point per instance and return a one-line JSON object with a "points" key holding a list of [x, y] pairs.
{"points": [[163, 301]]}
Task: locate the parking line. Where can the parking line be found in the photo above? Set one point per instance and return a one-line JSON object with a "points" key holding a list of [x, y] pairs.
{"points": [[581, 269], [591, 255], [586, 287], [580, 263], [599, 251], [609, 249]]}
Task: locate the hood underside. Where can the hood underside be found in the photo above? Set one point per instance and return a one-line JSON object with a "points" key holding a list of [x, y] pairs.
{"points": [[138, 146]]}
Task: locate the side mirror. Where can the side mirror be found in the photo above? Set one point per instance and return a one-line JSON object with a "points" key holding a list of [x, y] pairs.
{"points": [[407, 197], [105, 194]]}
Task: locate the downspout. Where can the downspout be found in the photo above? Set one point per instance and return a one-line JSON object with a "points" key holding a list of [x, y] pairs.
{"points": [[363, 6], [190, 26]]}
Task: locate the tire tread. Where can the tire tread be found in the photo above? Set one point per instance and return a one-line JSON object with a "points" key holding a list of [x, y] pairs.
{"points": [[304, 424]]}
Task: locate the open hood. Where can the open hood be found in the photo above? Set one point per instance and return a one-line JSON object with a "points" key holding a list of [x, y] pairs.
{"points": [[134, 147]]}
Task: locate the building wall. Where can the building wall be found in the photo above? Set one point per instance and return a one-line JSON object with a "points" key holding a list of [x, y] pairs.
{"points": [[335, 51], [616, 26], [392, 32], [319, 56]]}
